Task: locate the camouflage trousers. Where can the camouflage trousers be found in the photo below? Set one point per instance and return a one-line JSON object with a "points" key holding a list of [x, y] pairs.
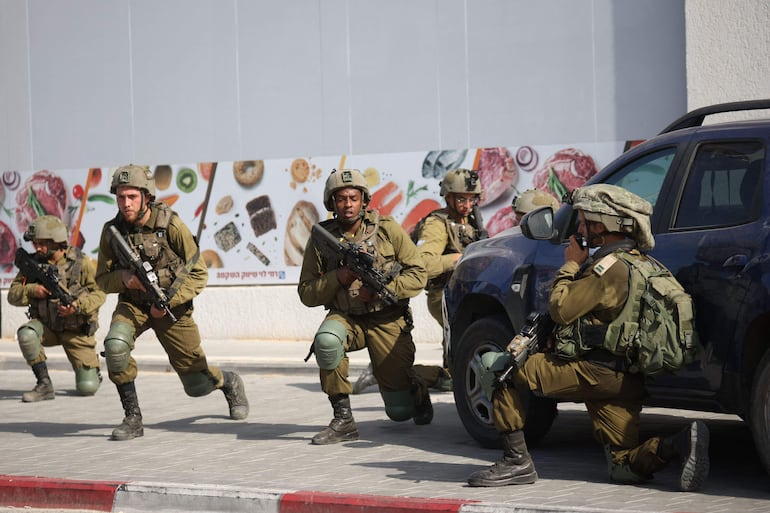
{"points": [[613, 400], [181, 341]]}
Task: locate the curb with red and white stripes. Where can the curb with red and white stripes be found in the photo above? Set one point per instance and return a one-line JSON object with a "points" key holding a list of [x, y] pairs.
{"points": [[137, 497]]}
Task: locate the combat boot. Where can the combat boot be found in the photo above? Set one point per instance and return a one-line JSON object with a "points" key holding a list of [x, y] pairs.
{"points": [[235, 394], [43, 390], [131, 427], [444, 382], [691, 448], [365, 380], [516, 467], [423, 411], [342, 428]]}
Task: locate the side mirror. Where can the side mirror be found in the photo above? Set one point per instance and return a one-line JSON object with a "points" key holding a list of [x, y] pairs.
{"points": [[538, 224]]}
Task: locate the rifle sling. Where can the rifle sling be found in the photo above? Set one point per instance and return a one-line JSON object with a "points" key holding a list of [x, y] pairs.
{"points": [[180, 277]]}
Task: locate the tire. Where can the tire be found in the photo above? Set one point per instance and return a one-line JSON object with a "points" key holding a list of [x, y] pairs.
{"points": [[759, 416], [475, 410]]}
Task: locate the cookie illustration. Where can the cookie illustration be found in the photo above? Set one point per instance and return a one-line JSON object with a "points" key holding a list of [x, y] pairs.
{"points": [[224, 205], [212, 259], [300, 170], [257, 253], [228, 237], [248, 172], [261, 215]]}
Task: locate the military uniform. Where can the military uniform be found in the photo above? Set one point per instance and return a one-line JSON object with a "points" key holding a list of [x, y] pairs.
{"points": [[181, 339], [384, 331], [158, 237], [612, 396], [441, 239], [75, 333], [588, 300]]}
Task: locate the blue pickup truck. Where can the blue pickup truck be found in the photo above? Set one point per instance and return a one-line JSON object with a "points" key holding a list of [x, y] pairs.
{"points": [[709, 185]]}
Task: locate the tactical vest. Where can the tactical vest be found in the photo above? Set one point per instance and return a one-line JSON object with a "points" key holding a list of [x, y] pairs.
{"points": [[459, 236], [150, 242], [654, 330], [70, 270], [369, 237]]}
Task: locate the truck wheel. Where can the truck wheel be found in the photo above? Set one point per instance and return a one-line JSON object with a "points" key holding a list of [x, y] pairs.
{"points": [[760, 410], [475, 410]]}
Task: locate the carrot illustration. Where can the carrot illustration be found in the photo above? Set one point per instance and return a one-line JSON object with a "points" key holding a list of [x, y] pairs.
{"points": [[169, 200], [422, 209], [476, 159], [388, 207], [380, 195]]}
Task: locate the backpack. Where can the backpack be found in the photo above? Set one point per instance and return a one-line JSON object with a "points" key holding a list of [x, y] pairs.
{"points": [[415, 235], [658, 333]]}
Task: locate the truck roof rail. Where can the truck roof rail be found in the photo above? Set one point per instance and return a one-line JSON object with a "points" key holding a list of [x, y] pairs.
{"points": [[696, 117]]}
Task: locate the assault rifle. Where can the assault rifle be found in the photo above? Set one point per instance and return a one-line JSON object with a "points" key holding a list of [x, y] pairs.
{"points": [[361, 262], [143, 270], [482, 231], [530, 340], [45, 274]]}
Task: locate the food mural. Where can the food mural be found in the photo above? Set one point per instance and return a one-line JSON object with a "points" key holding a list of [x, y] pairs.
{"points": [[253, 218]]}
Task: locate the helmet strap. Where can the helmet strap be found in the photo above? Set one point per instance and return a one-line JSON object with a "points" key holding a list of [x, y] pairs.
{"points": [[592, 237], [145, 205]]}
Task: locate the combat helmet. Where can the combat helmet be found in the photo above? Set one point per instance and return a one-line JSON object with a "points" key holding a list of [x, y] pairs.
{"points": [[531, 199], [462, 181], [46, 227], [133, 176], [617, 209], [341, 179]]}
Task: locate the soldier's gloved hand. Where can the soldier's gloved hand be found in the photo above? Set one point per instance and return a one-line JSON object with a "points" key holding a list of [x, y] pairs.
{"points": [[65, 311], [346, 276], [130, 281], [368, 295], [514, 343], [40, 292], [575, 252], [157, 313]]}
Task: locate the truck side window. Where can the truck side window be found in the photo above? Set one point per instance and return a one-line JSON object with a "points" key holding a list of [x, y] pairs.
{"points": [[645, 175], [723, 186]]}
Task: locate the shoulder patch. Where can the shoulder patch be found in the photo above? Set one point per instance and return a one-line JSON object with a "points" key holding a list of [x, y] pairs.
{"points": [[605, 263]]}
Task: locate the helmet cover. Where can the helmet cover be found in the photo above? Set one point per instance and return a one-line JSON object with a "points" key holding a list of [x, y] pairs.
{"points": [[619, 209], [341, 179], [133, 176], [462, 181]]}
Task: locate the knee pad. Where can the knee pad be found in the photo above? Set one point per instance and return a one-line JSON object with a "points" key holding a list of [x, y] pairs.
{"points": [[117, 346], [621, 472], [492, 362], [197, 384], [29, 337], [87, 380], [399, 405], [328, 344]]}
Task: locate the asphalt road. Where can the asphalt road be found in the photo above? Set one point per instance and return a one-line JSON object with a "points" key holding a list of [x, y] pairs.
{"points": [[191, 441]]}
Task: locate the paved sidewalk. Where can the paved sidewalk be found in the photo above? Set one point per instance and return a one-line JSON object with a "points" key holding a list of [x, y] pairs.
{"points": [[193, 458]]}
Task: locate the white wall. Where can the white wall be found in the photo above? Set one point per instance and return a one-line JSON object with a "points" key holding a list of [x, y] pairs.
{"points": [[264, 313], [728, 51], [98, 83]]}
